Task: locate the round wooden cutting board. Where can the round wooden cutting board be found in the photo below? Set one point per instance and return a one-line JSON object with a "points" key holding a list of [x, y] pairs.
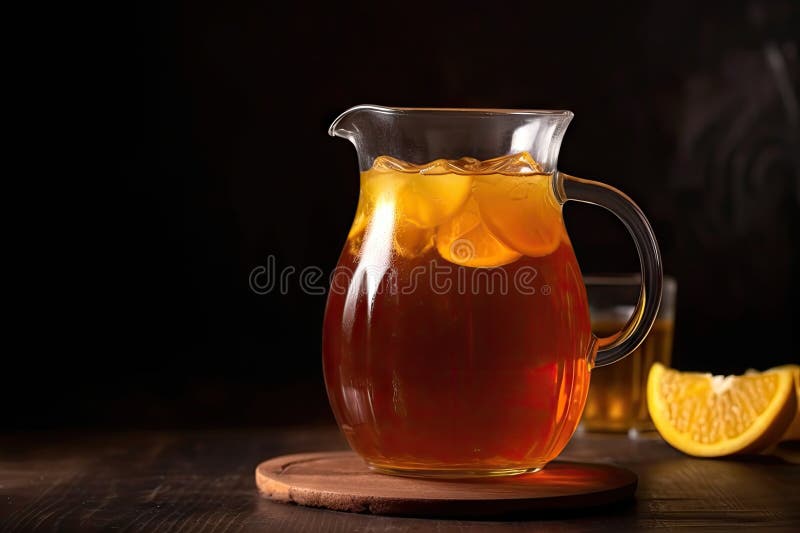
{"points": [[342, 481]]}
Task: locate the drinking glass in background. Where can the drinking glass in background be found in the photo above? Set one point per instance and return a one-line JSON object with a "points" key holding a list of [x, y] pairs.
{"points": [[617, 400]]}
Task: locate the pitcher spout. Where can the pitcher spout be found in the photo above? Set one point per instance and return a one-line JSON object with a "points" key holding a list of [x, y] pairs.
{"points": [[368, 127], [355, 120]]}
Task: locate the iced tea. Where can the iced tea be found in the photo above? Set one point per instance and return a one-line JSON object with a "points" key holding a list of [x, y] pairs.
{"points": [[457, 333], [618, 396]]}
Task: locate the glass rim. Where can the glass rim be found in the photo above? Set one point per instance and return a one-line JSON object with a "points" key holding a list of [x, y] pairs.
{"points": [[622, 280], [477, 112]]}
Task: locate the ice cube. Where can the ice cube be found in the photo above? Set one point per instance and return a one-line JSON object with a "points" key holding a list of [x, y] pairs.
{"points": [[430, 199], [387, 163], [465, 165], [521, 163], [440, 166]]}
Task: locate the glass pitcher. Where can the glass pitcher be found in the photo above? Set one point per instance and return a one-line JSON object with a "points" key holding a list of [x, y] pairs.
{"points": [[457, 340]]}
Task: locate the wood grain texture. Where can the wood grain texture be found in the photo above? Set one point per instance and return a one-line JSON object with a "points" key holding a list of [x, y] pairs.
{"points": [[203, 481], [341, 481]]}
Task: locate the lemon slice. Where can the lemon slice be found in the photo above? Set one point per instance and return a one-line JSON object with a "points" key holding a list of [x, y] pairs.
{"points": [[465, 240], [712, 416]]}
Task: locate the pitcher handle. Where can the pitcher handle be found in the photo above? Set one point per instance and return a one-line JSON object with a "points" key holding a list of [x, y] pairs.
{"points": [[617, 346]]}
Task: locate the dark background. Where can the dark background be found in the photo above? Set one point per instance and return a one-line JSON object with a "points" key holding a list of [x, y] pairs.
{"points": [[209, 136]]}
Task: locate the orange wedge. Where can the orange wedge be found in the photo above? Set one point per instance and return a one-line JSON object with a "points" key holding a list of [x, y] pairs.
{"points": [[465, 240], [521, 211], [712, 416]]}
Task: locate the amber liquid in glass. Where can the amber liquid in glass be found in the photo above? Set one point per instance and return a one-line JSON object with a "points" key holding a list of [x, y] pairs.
{"points": [[431, 366], [618, 396]]}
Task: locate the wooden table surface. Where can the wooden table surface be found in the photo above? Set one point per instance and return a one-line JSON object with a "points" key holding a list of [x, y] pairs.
{"points": [[203, 481]]}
